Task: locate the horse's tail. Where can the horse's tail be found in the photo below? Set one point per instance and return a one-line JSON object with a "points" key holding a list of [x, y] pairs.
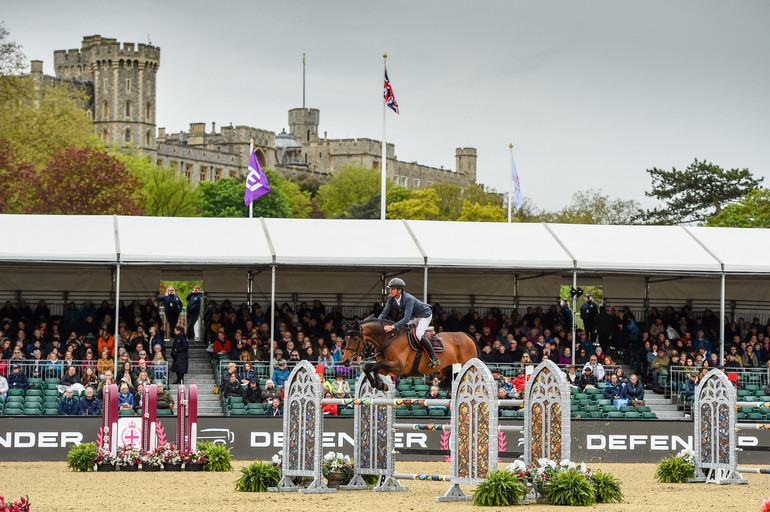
{"points": [[478, 349]]}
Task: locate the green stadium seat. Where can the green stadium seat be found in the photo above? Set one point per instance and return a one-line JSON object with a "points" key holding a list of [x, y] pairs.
{"points": [[601, 385], [643, 409], [410, 394], [421, 389], [15, 392], [575, 414], [591, 408], [592, 391], [51, 385], [603, 401], [50, 412], [346, 412], [235, 400], [436, 412], [749, 410], [52, 380], [165, 412], [238, 412], [508, 414], [52, 392], [614, 415], [33, 411], [254, 406], [34, 392], [632, 415], [14, 399], [756, 416], [125, 412], [33, 400], [404, 386], [581, 396], [51, 403], [595, 414], [627, 408], [759, 392], [35, 381], [419, 410], [584, 401], [609, 408], [751, 387], [649, 416], [743, 393], [158, 381], [402, 410], [236, 405], [741, 416], [255, 411]]}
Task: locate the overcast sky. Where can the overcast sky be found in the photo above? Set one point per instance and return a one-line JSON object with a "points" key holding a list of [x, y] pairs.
{"points": [[590, 93]]}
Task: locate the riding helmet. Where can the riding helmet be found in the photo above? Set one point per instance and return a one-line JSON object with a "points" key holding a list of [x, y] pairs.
{"points": [[397, 283]]}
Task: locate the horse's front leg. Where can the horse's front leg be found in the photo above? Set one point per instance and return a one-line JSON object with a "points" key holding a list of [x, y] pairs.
{"points": [[382, 368], [369, 374]]}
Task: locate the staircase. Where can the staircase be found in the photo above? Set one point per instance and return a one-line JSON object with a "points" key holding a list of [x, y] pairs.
{"points": [[199, 373], [663, 407]]}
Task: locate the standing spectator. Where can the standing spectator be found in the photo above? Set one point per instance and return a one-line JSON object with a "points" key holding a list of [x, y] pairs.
{"points": [[659, 367], [588, 312], [157, 339], [275, 409], [280, 374], [172, 306], [565, 315], [69, 405], [179, 353], [89, 404], [194, 301], [165, 400], [252, 394]]}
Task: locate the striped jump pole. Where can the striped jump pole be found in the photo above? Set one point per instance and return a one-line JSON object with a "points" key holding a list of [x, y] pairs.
{"points": [[762, 471], [427, 478], [448, 426], [752, 426], [751, 404]]}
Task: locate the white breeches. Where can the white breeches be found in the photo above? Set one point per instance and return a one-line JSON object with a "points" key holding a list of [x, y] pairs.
{"points": [[421, 324]]}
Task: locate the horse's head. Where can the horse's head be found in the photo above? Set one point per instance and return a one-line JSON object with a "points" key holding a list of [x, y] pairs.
{"points": [[358, 335]]}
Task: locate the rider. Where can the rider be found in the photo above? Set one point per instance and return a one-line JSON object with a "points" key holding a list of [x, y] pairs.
{"points": [[415, 312]]}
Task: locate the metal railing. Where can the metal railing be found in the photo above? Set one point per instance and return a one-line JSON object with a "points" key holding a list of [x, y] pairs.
{"points": [[44, 369], [678, 375]]}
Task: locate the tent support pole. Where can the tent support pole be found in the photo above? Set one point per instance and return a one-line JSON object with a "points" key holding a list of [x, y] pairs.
{"points": [[272, 320], [250, 288], [117, 320], [722, 320], [515, 293], [574, 305], [425, 284]]}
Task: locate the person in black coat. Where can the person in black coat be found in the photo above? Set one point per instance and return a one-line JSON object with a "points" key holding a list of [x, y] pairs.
{"points": [[232, 387], [172, 306], [588, 312], [634, 391], [179, 353], [252, 394], [194, 300]]}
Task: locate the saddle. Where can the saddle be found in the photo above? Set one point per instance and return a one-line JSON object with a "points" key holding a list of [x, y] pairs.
{"points": [[435, 341]]}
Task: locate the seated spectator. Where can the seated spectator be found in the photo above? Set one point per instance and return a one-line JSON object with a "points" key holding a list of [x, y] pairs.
{"points": [[582, 357], [232, 387], [572, 377], [125, 374], [614, 390], [280, 374], [275, 409], [104, 364], [222, 344], [89, 378], [138, 397], [159, 367], [330, 409], [566, 357], [597, 370], [689, 388], [502, 395], [240, 348], [252, 394], [519, 382], [340, 385], [89, 404], [587, 380], [69, 405], [17, 379], [71, 377], [125, 398], [270, 391], [749, 358], [3, 389], [486, 354], [634, 391], [165, 400], [232, 369], [248, 374], [659, 367], [731, 361]]}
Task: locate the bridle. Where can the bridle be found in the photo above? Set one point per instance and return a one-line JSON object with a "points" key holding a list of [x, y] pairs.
{"points": [[362, 342]]}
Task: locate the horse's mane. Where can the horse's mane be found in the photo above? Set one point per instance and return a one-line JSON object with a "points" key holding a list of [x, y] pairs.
{"points": [[372, 319]]}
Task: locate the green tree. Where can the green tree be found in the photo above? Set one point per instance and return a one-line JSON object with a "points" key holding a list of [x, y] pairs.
{"points": [[475, 212], [593, 207], [83, 181], [349, 186], [750, 211], [477, 194], [449, 200], [166, 193], [698, 192], [421, 205], [13, 177], [224, 198], [299, 200], [11, 57]]}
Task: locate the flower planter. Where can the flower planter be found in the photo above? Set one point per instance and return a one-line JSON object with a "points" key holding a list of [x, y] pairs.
{"points": [[172, 467], [104, 467], [336, 479], [149, 467], [193, 467], [132, 467]]}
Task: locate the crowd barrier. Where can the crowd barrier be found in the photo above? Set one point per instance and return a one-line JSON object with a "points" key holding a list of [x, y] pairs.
{"points": [[715, 427], [474, 429]]}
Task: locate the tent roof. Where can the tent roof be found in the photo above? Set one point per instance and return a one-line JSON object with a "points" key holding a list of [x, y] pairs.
{"points": [[57, 238], [742, 250], [489, 245]]}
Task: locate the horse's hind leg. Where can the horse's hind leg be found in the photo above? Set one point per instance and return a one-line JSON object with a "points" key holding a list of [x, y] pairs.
{"points": [[446, 378]]}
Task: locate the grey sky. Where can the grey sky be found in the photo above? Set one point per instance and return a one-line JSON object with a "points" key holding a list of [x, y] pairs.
{"points": [[591, 93]]}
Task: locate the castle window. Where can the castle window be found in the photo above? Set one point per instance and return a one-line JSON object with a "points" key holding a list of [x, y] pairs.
{"points": [[128, 109], [159, 163], [149, 112], [417, 183], [430, 183], [128, 85], [80, 72], [217, 174], [405, 181], [104, 86], [105, 136], [66, 71], [308, 136], [127, 135], [149, 90], [105, 109], [147, 139], [202, 176]]}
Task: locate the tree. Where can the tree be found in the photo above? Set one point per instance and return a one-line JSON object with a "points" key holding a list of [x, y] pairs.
{"points": [[11, 56], [298, 199], [349, 186], [13, 175], [750, 211], [421, 205], [475, 212], [698, 192], [224, 198], [449, 200], [593, 207], [83, 181], [166, 193]]}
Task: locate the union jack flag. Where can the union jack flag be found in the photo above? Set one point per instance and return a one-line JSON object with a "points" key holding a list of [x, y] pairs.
{"points": [[390, 98]]}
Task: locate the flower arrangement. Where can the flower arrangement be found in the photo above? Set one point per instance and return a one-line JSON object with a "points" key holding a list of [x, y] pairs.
{"points": [[127, 455], [167, 454], [195, 457], [766, 506], [677, 469], [22, 505], [103, 456], [337, 463], [277, 459]]}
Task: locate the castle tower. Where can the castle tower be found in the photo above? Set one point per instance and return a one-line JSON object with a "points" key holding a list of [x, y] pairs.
{"points": [[123, 79], [303, 124], [465, 160]]}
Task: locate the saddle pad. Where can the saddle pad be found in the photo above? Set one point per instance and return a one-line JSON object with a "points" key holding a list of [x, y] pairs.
{"points": [[435, 341]]}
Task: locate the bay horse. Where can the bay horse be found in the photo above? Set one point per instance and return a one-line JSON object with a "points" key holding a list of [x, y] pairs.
{"points": [[394, 355]]}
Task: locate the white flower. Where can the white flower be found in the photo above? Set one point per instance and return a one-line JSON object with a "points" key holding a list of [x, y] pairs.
{"points": [[583, 467], [518, 466]]}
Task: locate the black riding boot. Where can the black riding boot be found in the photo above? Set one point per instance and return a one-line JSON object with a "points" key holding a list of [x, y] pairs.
{"points": [[425, 342]]}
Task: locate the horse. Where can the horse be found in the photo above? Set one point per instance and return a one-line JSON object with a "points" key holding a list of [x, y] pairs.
{"points": [[394, 355]]}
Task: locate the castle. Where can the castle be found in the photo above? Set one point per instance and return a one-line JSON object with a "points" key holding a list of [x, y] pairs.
{"points": [[120, 81]]}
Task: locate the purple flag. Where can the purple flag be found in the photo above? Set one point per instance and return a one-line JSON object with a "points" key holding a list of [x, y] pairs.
{"points": [[256, 182]]}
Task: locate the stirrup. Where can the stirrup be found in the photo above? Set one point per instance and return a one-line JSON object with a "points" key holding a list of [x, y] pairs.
{"points": [[434, 362]]}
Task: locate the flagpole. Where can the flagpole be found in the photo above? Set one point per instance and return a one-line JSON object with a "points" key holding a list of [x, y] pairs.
{"points": [[251, 205], [384, 148], [510, 193]]}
